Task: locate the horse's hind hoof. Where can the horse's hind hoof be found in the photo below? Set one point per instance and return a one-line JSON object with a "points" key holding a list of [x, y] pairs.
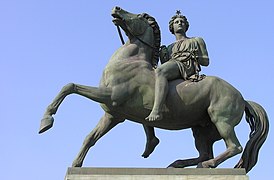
{"points": [[46, 123], [200, 165]]}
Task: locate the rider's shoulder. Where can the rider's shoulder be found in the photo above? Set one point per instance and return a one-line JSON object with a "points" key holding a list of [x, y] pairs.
{"points": [[200, 40]]}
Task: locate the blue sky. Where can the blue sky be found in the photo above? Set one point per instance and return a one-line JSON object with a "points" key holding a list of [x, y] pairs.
{"points": [[47, 44]]}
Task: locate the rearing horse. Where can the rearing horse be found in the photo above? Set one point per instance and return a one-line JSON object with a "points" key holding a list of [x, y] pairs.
{"points": [[211, 107]]}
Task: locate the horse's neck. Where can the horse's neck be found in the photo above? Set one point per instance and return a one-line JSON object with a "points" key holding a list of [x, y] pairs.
{"points": [[132, 50], [136, 48]]}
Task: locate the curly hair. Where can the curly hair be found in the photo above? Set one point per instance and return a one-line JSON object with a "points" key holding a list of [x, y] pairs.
{"points": [[172, 21]]}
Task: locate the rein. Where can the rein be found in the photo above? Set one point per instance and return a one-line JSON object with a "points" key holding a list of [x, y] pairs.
{"points": [[120, 35], [130, 31]]}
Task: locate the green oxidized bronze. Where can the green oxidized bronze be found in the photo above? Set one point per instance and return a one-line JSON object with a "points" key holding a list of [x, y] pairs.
{"points": [[209, 105]]}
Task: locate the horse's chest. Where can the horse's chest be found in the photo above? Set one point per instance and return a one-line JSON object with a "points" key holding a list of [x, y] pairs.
{"points": [[122, 72]]}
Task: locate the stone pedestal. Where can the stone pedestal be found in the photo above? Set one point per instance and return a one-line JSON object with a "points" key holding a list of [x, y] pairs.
{"points": [[154, 174]]}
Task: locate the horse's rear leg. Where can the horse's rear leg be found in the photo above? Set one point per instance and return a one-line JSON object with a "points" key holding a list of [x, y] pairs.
{"points": [[101, 95], [204, 139], [106, 123], [225, 126], [233, 148]]}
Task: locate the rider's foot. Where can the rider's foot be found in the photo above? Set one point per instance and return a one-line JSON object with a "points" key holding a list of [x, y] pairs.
{"points": [[154, 116], [150, 146]]}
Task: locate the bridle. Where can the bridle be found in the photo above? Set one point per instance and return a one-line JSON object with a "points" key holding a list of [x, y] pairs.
{"points": [[120, 34], [131, 33]]}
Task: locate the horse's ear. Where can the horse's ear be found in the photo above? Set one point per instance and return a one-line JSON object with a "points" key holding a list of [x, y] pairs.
{"points": [[145, 15]]}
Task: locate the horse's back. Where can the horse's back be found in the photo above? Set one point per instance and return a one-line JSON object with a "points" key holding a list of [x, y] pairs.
{"points": [[191, 100]]}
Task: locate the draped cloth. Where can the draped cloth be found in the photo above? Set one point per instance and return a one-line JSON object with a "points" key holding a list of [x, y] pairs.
{"points": [[187, 54]]}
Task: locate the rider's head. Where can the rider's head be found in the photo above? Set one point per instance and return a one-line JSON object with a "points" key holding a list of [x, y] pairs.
{"points": [[178, 15]]}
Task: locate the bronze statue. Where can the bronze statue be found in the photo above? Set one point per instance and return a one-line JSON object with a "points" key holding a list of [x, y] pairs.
{"points": [[211, 107]]}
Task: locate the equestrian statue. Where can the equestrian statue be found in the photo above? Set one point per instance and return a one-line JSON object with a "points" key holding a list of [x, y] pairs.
{"points": [[172, 96]]}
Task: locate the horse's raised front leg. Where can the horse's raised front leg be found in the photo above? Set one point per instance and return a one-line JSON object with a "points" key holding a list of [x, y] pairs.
{"points": [[152, 141], [106, 123], [101, 95]]}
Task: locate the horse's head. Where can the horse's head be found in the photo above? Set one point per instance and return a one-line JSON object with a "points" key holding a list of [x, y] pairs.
{"points": [[139, 27], [133, 24]]}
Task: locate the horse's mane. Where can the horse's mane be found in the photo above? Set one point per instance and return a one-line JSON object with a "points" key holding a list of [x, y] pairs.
{"points": [[157, 38]]}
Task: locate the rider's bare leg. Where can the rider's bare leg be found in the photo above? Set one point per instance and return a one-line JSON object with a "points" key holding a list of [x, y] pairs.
{"points": [[166, 72], [152, 141]]}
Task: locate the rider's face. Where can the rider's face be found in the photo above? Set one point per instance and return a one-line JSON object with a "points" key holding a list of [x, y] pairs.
{"points": [[179, 25]]}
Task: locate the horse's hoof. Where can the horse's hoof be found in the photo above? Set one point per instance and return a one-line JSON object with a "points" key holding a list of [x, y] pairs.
{"points": [[177, 164], [150, 146], [170, 167], [206, 164], [200, 165], [77, 164], [46, 123]]}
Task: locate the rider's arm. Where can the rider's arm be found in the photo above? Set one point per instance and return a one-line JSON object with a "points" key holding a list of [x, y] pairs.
{"points": [[202, 52]]}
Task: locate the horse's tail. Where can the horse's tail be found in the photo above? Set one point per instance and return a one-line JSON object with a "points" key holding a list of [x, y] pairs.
{"points": [[259, 125]]}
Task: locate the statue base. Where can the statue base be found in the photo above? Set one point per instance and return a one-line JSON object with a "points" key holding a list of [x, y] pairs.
{"points": [[155, 174]]}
